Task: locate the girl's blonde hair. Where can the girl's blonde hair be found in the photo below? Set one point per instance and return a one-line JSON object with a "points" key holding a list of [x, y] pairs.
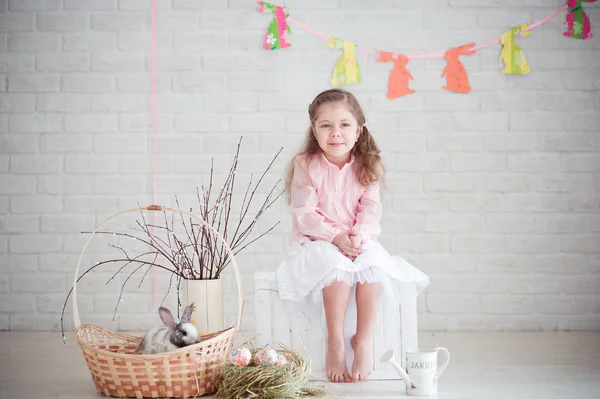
{"points": [[365, 151]]}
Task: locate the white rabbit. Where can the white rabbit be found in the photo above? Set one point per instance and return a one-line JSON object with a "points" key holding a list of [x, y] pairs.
{"points": [[171, 336]]}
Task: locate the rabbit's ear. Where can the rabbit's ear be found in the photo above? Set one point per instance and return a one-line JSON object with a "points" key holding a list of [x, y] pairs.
{"points": [[187, 313], [166, 317]]}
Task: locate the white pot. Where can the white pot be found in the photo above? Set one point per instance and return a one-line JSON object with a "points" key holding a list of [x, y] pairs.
{"points": [[207, 296]]}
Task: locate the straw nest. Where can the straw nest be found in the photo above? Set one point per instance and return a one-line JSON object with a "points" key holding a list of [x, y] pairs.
{"points": [[269, 382]]}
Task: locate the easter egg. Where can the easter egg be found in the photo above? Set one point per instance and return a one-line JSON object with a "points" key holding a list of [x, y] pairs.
{"points": [[266, 357], [240, 357], [281, 361]]}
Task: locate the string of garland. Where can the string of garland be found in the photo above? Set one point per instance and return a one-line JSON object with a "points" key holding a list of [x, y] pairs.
{"points": [[347, 69]]}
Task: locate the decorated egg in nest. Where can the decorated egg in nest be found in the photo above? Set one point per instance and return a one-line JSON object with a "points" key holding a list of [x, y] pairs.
{"points": [[266, 357], [240, 357], [281, 360]]}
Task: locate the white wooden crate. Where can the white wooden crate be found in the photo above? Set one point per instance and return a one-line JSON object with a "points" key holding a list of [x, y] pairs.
{"points": [[301, 326]]}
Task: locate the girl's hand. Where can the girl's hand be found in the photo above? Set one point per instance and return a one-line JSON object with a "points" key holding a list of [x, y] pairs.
{"points": [[356, 239], [344, 242]]}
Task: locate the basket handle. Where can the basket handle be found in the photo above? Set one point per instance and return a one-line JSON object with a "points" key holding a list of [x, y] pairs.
{"points": [[161, 208]]}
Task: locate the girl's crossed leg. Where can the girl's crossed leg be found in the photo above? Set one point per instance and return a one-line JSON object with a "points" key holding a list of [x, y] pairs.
{"points": [[335, 300]]}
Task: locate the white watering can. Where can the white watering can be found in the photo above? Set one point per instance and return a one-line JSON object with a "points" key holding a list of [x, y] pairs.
{"points": [[422, 371]]}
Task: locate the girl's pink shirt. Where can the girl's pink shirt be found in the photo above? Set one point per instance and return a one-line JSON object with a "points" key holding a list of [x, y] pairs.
{"points": [[327, 200]]}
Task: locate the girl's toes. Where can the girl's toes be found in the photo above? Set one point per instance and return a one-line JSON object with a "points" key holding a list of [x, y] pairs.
{"points": [[347, 377]]}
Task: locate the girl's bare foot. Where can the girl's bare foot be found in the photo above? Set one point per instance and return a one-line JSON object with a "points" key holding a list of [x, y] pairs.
{"points": [[336, 362], [363, 359]]}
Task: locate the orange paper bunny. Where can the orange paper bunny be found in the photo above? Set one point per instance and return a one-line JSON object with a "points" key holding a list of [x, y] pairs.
{"points": [[457, 79], [399, 77]]}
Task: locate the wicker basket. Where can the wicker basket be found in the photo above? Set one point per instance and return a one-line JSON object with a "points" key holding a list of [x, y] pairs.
{"points": [[186, 372]]}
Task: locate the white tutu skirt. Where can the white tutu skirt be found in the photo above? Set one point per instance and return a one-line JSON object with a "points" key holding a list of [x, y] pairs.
{"points": [[311, 266]]}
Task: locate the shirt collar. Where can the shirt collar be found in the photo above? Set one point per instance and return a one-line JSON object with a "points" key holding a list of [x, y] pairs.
{"points": [[329, 164]]}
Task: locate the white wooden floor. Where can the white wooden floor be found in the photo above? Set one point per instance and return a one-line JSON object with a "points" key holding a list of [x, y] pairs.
{"points": [[483, 366]]}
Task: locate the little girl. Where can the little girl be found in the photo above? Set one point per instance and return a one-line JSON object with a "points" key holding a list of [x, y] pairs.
{"points": [[333, 191]]}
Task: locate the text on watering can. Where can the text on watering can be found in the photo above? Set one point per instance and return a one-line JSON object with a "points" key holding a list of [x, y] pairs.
{"points": [[423, 365]]}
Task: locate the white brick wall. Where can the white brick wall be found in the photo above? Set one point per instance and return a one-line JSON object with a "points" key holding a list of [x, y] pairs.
{"points": [[495, 194]]}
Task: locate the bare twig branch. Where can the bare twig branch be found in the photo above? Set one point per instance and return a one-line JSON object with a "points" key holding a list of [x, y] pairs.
{"points": [[89, 270], [197, 253]]}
